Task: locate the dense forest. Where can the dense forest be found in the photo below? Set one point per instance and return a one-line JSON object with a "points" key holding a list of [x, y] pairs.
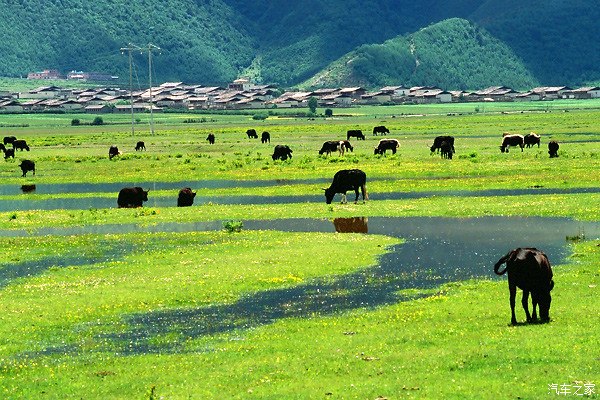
{"points": [[283, 42]]}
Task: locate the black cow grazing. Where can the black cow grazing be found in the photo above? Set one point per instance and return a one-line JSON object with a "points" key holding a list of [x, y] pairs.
{"points": [[282, 152], [132, 197], [553, 148], [20, 145], [357, 133], [346, 145], [9, 153], [529, 270], [252, 134], [446, 150], [345, 180], [211, 138], [387, 144], [380, 129], [265, 137], [9, 139], [186, 197], [437, 143], [512, 140], [27, 165], [330, 146], [28, 188], [140, 146], [531, 139], [2, 147], [113, 151]]}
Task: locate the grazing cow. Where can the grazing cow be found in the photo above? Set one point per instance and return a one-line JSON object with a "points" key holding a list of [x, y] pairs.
{"points": [[282, 152], [357, 133], [2, 147], [265, 137], [9, 139], [446, 150], [113, 151], [531, 139], [28, 188], [512, 140], [387, 144], [20, 145], [345, 144], [380, 129], [186, 197], [351, 225], [211, 138], [345, 180], [252, 134], [27, 165], [553, 148], [9, 153], [437, 143], [529, 270], [140, 146], [132, 197], [331, 145]]}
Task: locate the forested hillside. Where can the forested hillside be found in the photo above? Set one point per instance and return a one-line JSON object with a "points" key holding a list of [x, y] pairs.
{"points": [[286, 42]]}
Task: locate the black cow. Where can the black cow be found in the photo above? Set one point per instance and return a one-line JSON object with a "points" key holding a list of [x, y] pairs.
{"points": [[437, 143], [357, 133], [265, 137], [186, 197], [531, 139], [529, 270], [252, 134], [512, 140], [27, 165], [9, 139], [446, 150], [9, 153], [20, 145], [113, 151], [140, 146], [380, 129], [211, 138], [132, 197], [553, 148], [282, 152], [387, 144], [345, 180], [330, 146], [345, 144], [2, 147]]}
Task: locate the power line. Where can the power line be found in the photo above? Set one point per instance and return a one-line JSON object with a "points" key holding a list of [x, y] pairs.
{"points": [[130, 48]]}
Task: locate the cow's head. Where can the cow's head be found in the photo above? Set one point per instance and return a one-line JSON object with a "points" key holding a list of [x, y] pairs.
{"points": [[329, 194], [145, 195], [504, 149]]}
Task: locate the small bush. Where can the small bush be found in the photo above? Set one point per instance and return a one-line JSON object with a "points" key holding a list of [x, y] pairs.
{"points": [[98, 121], [233, 226], [75, 122], [260, 117]]}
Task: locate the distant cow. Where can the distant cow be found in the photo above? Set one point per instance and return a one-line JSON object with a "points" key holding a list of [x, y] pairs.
{"points": [[437, 143], [27, 165], [9, 153], [345, 180], [281, 152], [265, 137], [113, 151], [529, 270], [211, 138], [446, 150], [345, 144], [132, 197], [512, 140], [20, 145], [9, 139], [357, 133], [380, 129], [531, 139], [140, 146], [330, 146], [387, 144], [186, 197], [252, 134], [553, 148]]}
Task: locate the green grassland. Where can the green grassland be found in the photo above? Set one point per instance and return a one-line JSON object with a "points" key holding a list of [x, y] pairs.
{"points": [[161, 315]]}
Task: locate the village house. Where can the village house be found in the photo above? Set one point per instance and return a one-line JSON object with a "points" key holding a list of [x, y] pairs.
{"points": [[396, 92], [10, 105], [495, 93], [46, 92], [376, 98], [591, 92], [551, 92], [45, 74]]}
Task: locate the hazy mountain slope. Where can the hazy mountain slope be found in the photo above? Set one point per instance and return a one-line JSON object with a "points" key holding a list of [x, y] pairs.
{"points": [[452, 54]]}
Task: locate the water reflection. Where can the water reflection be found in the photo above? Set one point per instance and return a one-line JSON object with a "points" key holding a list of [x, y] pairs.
{"points": [[351, 225]]}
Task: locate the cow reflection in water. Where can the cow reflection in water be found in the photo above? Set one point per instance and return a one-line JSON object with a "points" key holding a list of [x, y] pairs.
{"points": [[351, 225]]}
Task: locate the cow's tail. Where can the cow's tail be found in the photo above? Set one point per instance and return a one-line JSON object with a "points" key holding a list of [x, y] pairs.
{"points": [[365, 194], [499, 263]]}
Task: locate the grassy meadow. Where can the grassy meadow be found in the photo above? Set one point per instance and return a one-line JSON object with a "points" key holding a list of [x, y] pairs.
{"points": [[224, 314]]}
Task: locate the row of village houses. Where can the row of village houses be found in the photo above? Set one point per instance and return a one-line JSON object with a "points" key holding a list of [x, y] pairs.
{"points": [[242, 94]]}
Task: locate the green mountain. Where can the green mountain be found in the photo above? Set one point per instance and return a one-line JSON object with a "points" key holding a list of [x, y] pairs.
{"points": [[287, 42], [454, 54]]}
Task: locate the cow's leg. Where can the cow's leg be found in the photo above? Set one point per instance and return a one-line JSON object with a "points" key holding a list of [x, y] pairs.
{"points": [[525, 303], [356, 192], [534, 304], [513, 294], [344, 198]]}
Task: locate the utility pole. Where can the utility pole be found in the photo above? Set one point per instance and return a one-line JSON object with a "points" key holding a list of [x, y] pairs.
{"points": [[150, 48], [131, 47]]}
